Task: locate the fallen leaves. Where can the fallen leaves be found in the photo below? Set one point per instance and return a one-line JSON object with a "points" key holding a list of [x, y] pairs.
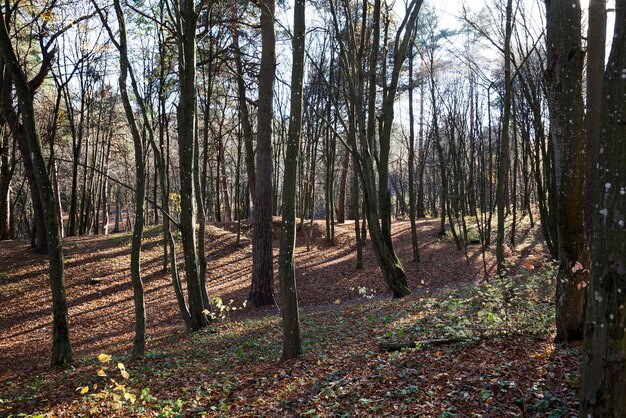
{"points": [[103, 358], [234, 368]]}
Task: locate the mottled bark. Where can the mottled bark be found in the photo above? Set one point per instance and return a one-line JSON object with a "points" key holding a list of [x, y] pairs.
{"points": [[61, 347], [292, 346], [604, 351], [187, 138], [596, 41], [564, 79]]}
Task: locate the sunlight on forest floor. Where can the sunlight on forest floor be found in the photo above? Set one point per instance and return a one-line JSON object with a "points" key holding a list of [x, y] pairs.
{"points": [[500, 359]]}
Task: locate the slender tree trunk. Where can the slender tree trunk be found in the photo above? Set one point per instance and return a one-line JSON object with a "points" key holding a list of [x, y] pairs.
{"points": [[244, 113], [355, 209], [139, 342], [228, 210], [61, 347], [503, 155], [421, 209], [6, 175], [411, 164], [596, 41], [105, 188], [187, 138], [23, 144], [343, 180], [292, 346]]}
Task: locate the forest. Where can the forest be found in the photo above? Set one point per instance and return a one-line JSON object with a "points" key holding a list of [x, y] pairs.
{"points": [[313, 208]]}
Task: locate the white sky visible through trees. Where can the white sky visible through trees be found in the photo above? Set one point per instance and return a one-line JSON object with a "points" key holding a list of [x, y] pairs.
{"points": [[449, 14]]}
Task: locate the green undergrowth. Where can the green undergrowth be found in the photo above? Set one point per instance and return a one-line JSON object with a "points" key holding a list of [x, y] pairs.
{"points": [[233, 368], [125, 238], [520, 304]]}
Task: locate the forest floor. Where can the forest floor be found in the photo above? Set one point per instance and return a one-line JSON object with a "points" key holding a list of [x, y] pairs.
{"points": [[497, 360]]}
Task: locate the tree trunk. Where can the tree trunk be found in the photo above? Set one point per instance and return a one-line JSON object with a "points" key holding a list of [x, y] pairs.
{"points": [[105, 187], [292, 346], [246, 126], [261, 290], [343, 180], [421, 209], [503, 155], [564, 77], [604, 352], [355, 209], [61, 347], [139, 342], [6, 174], [228, 210], [411, 164], [23, 144], [187, 138], [596, 41]]}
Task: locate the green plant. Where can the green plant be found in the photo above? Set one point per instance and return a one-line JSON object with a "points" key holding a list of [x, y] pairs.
{"points": [[112, 393]]}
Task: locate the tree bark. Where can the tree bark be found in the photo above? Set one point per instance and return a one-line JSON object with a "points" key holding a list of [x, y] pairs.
{"points": [[343, 181], [23, 144], [596, 41], [604, 350], [564, 76], [61, 347], [411, 164], [246, 125], [261, 290], [292, 346], [503, 155], [6, 175], [187, 138]]}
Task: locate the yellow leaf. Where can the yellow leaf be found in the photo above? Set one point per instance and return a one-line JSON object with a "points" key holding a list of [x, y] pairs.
{"points": [[101, 373], [84, 390], [121, 366], [104, 358], [337, 301], [130, 397], [125, 374]]}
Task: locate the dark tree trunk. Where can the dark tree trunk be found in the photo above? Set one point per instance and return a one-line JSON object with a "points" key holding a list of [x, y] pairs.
{"points": [[421, 148], [187, 138], [411, 164], [343, 180], [503, 155], [261, 290], [61, 348], [6, 175], [604, 352], [23, 144], [564, 76], [596, 41], [139, 341], [246, 125], [292, 346]]}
